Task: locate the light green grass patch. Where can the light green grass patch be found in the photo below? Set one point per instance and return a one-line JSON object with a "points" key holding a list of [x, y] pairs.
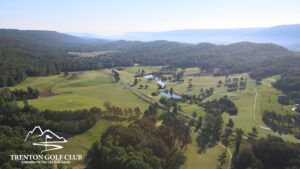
{"points": [[207, 160], [81, 144], [147, 69], [92, 54], [88, 89]]}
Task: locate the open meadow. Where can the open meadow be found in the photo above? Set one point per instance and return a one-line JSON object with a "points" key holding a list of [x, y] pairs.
{"points": [[203, 160], [80, 90]]}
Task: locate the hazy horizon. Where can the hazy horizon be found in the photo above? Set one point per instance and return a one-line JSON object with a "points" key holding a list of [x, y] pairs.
{"points": [[117, 17]]}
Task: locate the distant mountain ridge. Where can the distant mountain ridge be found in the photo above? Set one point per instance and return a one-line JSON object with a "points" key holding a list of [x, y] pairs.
{"points": [[285, 35], [45, 41]]}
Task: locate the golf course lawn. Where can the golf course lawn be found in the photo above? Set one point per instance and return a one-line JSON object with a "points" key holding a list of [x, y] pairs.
{"points": [[87, 89], [207, 160], [244, 99], [80, 144]]}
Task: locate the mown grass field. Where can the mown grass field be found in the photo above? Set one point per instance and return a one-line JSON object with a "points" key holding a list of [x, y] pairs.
{"points": [[268, 98], [92, 54], [207, 160], [82, 143], [86, 90]]}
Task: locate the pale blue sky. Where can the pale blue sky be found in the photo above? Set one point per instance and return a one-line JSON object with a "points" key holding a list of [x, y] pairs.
{"points": [[112, 17]]}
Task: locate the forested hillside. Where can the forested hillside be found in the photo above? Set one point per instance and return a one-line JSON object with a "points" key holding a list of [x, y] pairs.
{"points": [[261, 60], [45, 41], [38, 53], [290, 84]]}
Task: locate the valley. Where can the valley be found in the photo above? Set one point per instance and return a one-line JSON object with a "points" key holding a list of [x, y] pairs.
{"points": [[78, 90], [149, 84], [144, 105]]}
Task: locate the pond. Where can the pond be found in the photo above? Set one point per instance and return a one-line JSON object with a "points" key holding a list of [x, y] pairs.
{"points": [[168, 95]]}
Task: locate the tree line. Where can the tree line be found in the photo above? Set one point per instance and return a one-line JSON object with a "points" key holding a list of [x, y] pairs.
{"points": [[19, 94], [289, 83], [141, 145], [265, 153], [121, 114], [194, 99], [283, 124], [220, 106]]}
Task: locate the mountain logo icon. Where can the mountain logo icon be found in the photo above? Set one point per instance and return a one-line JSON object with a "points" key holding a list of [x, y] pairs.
{"points": [[45, 138]]}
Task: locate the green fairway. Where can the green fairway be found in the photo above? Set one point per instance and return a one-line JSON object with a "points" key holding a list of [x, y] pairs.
{"points": [[147, 69], [244, 99], [207, 160], [92, 54], [268, 98], [87, 89], [80, 144]]}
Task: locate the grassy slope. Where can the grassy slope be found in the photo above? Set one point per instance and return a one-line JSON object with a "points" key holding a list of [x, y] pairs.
{"points": [[207, 160], [92, 54], [80, 144], [265, 91], [243, 99], [89, 89]]}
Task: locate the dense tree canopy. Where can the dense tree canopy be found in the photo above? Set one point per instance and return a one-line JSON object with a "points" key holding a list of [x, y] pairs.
{"points": [[289, 83], [141, 145], [270, 152], [220, 106]]}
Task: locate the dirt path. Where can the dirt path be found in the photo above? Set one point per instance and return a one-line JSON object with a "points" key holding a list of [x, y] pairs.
{"points": [[259, 124], [229, 152], [266, 84]]}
